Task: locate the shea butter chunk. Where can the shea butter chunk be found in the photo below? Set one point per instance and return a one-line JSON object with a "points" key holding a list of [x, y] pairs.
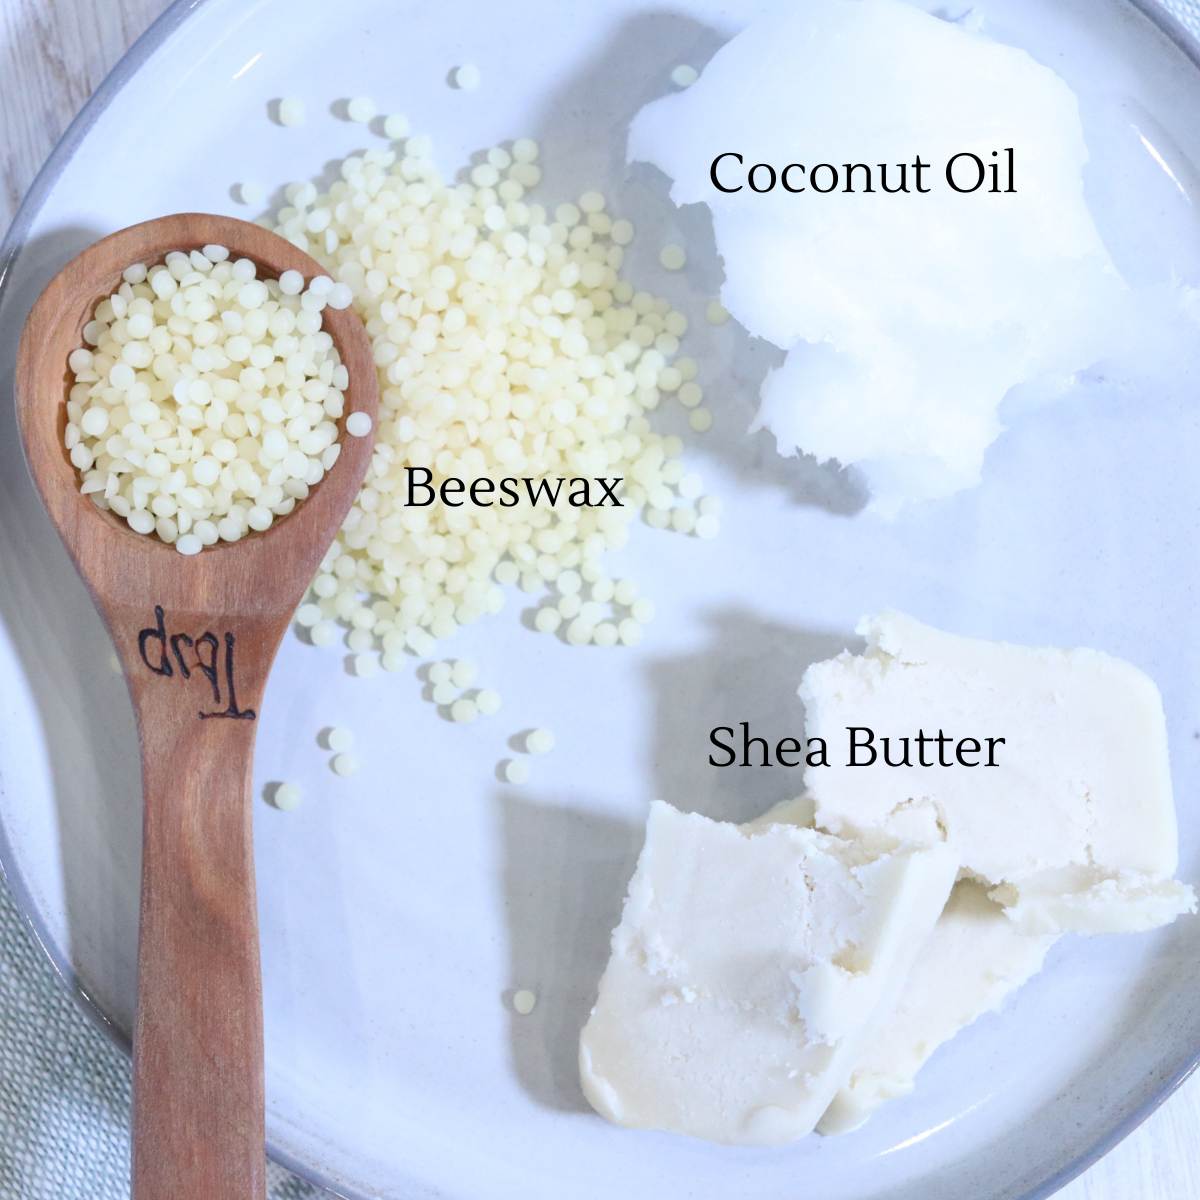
{"points": [[1074, 825], [747, 972], [974, 959]]}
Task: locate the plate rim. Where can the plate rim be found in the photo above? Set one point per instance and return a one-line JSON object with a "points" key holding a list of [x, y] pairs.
{"points": [[139, 52]]}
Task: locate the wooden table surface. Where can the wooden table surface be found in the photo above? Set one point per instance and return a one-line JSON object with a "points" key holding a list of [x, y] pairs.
{"points": [[53, 53]]}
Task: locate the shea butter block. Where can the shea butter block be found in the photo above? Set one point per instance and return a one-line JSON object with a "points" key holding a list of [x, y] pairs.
{"points": [[1073, 828], [973, 960], [748, 971]]}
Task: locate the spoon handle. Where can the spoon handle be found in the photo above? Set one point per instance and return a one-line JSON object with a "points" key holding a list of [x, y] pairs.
{"points": [[198, 1040]]}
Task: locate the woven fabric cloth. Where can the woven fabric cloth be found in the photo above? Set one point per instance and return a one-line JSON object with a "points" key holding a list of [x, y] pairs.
{"points": [[64, 1089], [1187, 11]]}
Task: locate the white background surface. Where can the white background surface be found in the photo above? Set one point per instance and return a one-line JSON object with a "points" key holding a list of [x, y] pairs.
{"points": [[51, 56]]}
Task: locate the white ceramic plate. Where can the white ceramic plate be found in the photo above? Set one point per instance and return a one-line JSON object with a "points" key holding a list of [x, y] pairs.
{"points": [[399, 908]]}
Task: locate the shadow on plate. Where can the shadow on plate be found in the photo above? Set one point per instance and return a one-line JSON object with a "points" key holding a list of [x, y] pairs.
{"points": [[565, 871], [86, 719], [748, 670], [583, 136]]}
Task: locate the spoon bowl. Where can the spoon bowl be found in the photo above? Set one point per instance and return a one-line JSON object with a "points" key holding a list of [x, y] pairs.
{"points": [[98, 540], [195, 636]]}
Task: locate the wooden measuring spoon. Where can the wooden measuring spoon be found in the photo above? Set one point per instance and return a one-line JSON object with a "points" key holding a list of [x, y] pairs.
{"points": [[196, 637]]}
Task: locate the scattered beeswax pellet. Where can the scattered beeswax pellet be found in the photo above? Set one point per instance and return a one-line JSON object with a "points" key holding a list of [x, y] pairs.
{"points": [[630, 632], [339, 739], [683, 518], [516, 770], [396, 126], [672, 257], [323, 633], [621, 232], [642, 610], [539, 741], [286, 797], [291, 111], [602, 590], [344, 764], [547, 620], [463, 673], [467, 77]]}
